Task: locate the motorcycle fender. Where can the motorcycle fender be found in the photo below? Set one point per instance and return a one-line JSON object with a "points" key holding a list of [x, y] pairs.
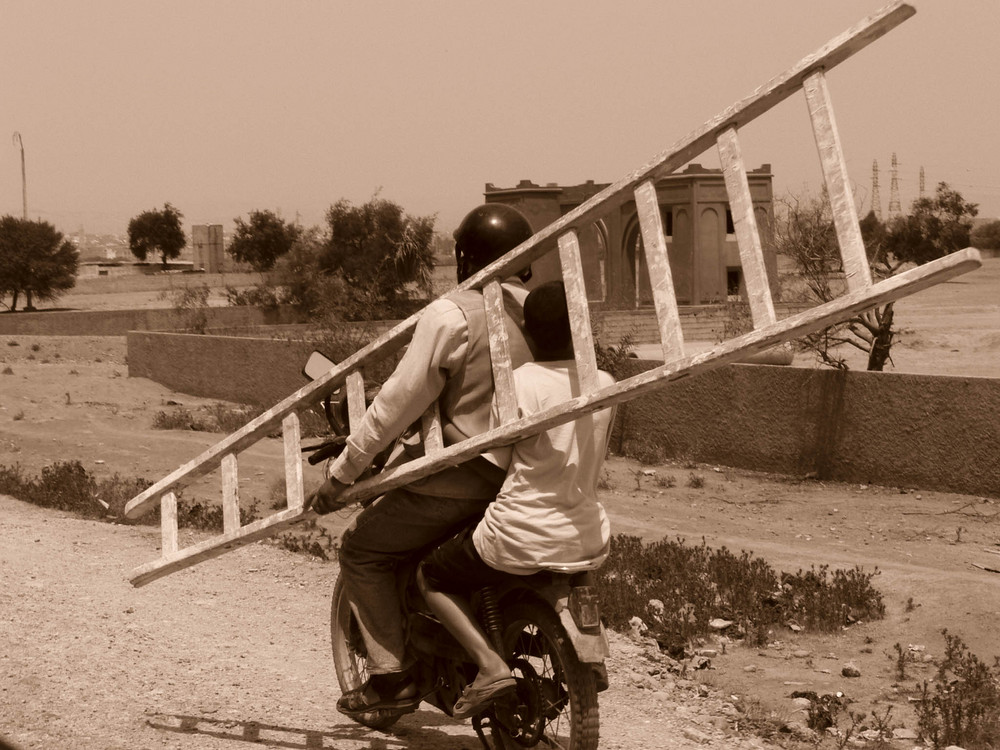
{"points": [[590, 649]]}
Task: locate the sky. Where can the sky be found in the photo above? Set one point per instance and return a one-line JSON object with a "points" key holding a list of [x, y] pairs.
{"points": [[221, 107]]}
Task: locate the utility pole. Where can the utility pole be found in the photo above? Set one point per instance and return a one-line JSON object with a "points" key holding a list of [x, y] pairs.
{"points": [[894, 207], [24, 179], [876, 198]]}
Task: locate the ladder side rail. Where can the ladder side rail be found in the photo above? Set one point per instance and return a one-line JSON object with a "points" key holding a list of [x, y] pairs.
{"points": [[838, 187], [264, 424], [431, 430], [787, 329], [747, 236], [579, 311], [735, 349], [230, 494], [764, 98], [218, 545], [661, 280], [291, 435], [499, 340]]}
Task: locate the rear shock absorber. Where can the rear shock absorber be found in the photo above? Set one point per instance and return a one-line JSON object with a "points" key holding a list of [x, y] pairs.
{"points": [[489, 611]]}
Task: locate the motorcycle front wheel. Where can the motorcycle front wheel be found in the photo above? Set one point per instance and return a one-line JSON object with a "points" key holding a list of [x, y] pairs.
{"points": [[555, 704], [350, 659]]}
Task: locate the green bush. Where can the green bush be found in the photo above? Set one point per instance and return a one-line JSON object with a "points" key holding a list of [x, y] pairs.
{"points": [[677, 589], [228, 418], [963, 708], [68, 486]]}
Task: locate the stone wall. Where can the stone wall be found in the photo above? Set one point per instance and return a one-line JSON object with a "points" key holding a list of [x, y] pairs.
{"points": [[885, 428], [890, 429], [120, 322]]}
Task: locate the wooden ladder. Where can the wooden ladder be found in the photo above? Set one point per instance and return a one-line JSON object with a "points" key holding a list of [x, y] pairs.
{"points": [[809, 75]]}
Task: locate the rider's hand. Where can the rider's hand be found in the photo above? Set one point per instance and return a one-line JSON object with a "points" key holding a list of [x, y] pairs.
{"points": [[326, 498]]}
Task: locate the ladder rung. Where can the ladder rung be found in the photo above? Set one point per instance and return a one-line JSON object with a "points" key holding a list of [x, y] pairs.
{"points": [[747, 235], [579, 311], [660, 278], [503, 373], [845, 215], [356, 406], [230, 494], [292, 437], [430, 430], [168, 524]]}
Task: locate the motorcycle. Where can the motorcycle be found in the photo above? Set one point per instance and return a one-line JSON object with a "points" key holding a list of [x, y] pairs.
{"points": [[547, 626]]}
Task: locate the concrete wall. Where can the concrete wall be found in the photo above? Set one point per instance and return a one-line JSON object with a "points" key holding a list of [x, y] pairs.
{"points": [[230, 368], [698, 323], [236, 366], [120, 322], [884, 428], [155, 281]]}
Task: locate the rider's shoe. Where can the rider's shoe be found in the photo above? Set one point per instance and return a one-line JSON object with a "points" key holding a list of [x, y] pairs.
{"points": [[392, 692]]}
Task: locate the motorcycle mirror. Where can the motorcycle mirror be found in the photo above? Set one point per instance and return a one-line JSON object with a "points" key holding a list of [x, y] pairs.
{"points": [[317, 365]]}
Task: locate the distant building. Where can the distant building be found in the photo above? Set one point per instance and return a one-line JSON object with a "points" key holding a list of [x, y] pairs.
{"points": [[701, 244], [206, 243]]}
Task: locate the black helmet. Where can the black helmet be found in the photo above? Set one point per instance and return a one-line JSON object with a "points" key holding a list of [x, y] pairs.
{"points": [[486, 233]]}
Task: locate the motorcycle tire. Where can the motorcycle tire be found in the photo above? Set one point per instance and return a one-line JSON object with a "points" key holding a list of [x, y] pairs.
{"points": [[556, 699], [349, 658]]}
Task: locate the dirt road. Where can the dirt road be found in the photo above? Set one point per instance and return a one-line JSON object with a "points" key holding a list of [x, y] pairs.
{"points": [[233, 654]]}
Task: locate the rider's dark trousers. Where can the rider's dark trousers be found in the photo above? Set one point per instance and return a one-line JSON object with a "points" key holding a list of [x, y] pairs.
{"points": [[386, 532]]}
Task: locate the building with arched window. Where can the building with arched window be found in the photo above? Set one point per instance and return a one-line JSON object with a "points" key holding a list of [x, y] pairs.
{"points": [[701, 243]]}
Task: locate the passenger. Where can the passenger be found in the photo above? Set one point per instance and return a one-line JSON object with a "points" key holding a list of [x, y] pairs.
{"points": [[546, 514], [448, 362]]}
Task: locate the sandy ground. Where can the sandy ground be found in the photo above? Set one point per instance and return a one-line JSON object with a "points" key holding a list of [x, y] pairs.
{"points": [[234, 653]]}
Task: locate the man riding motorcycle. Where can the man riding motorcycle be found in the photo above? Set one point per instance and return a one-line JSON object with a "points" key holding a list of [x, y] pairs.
{"points": [[447, 361]]}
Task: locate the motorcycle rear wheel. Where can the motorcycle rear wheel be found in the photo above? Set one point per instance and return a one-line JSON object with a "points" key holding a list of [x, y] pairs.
{"points": [[349, 657], [556, 699]]}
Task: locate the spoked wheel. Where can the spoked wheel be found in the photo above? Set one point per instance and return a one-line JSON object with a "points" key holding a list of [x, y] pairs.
{"points": [[350, 659], [555, 705]]}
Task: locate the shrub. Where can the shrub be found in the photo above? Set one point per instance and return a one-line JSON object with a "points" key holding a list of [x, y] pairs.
{"points": [[964, 706], [612, 359], [677, 589], [228, 418], [68, 486], [263, 295]]}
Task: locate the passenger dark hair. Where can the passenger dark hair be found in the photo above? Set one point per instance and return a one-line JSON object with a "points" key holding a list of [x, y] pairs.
{"points": [[546, 321]]}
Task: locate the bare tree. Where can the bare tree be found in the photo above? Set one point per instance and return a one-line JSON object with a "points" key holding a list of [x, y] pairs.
{"points": [[804, 232]]}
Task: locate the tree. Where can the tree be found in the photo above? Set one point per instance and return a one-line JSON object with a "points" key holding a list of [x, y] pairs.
{"points": [[934, 227], [378, 249], [804, 232], [155, 231], [263, 240], [986, 236], [35, 259]]}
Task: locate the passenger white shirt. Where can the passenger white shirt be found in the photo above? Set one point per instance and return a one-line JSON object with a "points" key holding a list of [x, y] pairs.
{"points": [[547, 513]]}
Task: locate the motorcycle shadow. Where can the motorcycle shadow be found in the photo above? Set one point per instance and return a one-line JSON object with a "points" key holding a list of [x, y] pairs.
{"points": [[416, 730]]}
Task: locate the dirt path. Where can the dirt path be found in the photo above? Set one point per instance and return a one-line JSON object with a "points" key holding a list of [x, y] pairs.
{"points": [[233, 654]]}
